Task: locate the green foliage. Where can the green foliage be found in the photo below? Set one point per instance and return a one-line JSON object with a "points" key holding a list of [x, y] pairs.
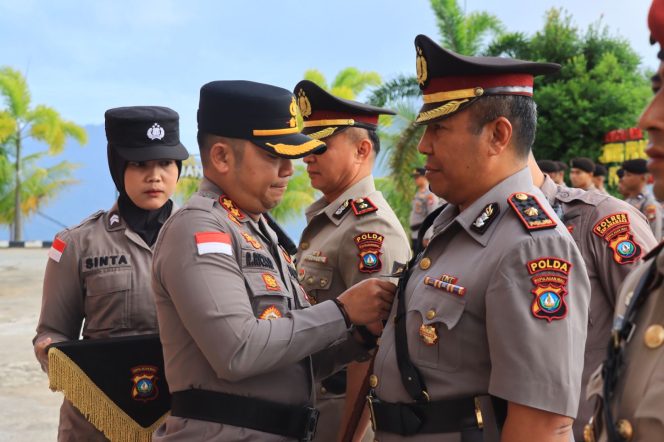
{"points": [[19, 122], [186, 186], [39, 186], [598, 89], [298, 196]]}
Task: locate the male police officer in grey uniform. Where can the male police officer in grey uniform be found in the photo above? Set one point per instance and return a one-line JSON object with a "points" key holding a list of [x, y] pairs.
{"points": [[630, 387], [235, 324], [98, 273], [352, 233], [633, 176], [612, 237], [494, 310]]}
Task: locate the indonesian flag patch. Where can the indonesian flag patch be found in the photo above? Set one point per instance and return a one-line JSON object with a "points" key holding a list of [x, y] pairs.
{"points": [[213, 242], [55, 252]]}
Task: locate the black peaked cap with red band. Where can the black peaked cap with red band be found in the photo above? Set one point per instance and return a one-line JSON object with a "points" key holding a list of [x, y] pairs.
{"points": [[325, 115], [450, 82], [656, 25]]}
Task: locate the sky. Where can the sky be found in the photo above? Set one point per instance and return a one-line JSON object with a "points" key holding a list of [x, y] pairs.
{"points": [[83, 57]]}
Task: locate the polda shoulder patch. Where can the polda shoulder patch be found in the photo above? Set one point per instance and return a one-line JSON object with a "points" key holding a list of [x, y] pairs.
{"points": [[530, 211], [616, 231]]}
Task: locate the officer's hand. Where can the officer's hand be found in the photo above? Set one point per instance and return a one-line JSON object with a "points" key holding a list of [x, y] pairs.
{"points": [[368, 301], [40, 352]]}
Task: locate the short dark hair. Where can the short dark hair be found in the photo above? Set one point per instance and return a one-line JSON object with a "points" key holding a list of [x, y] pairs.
{"points": [[357, 133], [206, 140], [520, 110]]}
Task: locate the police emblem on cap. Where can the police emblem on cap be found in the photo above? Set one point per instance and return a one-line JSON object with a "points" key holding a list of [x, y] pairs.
{"points": [[305, 104], [293, 111], [421, 66], [156, 132]]}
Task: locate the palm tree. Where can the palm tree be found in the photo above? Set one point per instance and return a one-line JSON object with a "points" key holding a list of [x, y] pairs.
{"points": [[348, 83], [18, 123]]}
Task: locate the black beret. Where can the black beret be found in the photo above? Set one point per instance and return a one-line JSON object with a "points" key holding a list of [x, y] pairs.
{"points": [[263, 114], [620, 173], [585, 164], [548, 166], [638, 166], [561, 165], [324, 114], [144, 133], [600, 170], [450, 82]]}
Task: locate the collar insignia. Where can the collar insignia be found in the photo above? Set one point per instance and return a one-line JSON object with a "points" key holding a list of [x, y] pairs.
{"points": [[486, 217], [114, 219], [156, 132], [342, 209], [234, 214]]}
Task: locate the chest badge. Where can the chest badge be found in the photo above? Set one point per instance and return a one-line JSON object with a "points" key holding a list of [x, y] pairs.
{"points": [[316, 256], [370, 244], [251, 240], [272, 312], [271, 282], [485, 218], [615, 230], [445, 284], [428, 334]]}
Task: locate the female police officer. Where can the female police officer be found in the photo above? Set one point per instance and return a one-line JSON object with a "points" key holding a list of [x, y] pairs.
{"points": [[98, 272]]}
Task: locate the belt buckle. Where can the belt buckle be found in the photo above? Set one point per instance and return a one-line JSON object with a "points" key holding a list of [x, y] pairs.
{"points": [[370, 400], [311, 423]]}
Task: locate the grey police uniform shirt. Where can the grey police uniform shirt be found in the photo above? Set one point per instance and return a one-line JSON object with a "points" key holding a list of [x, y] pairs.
{"points": [[612, 236], [639, 392], [329, 261], [493, 337], [233, 317], [650, 207], [424, 202], [100, 281]]}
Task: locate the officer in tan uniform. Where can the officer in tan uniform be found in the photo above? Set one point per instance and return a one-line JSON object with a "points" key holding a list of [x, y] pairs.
{"points": [[629, 387], [242, 345], [98, 273], [612, 237], [489, 324], [352, 233], [633, 176], [424, 202]]}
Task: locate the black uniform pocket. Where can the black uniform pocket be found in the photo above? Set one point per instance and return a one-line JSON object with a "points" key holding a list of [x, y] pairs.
{"points": [[107, 299], [431, 317]]}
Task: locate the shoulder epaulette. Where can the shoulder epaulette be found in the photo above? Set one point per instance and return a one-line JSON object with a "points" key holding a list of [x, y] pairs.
{"points": [[95, 216], [530, 211], [199, 202], [362, 206]]}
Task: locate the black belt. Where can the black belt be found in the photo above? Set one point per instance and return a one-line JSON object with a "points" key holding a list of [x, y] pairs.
{"points": [[445, 416], [293, 421]]}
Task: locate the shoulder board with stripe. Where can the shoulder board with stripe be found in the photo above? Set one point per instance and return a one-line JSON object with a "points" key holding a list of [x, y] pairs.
{"points": [[362, 206], [530, 211]]}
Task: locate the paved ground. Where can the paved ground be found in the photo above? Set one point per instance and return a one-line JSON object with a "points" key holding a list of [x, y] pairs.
{"points": [[29, 409]]}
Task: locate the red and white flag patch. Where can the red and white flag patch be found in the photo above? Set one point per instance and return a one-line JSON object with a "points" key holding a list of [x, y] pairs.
{"points": [[213, 242], [55, 252]]}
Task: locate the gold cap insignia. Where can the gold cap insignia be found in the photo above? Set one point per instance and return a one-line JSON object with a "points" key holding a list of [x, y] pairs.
{"points": [[305, 105], [293, 111], [531, 211], [421, 66]]}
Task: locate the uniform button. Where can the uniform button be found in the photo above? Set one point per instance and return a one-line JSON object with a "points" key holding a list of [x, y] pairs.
{"points": [[323, 282], [310, 280], [431, 314], [624, 428], [654, 336], [425, 263], [304, 246], [323, 390], [373, 381]]}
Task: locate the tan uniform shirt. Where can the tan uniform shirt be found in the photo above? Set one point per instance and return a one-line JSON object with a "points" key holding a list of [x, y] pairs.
{"points": [[648, 205], [639, 394], [232, 317], [330, 260], [607, 263], [102, 282], [511, 333], [424, 202]]}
